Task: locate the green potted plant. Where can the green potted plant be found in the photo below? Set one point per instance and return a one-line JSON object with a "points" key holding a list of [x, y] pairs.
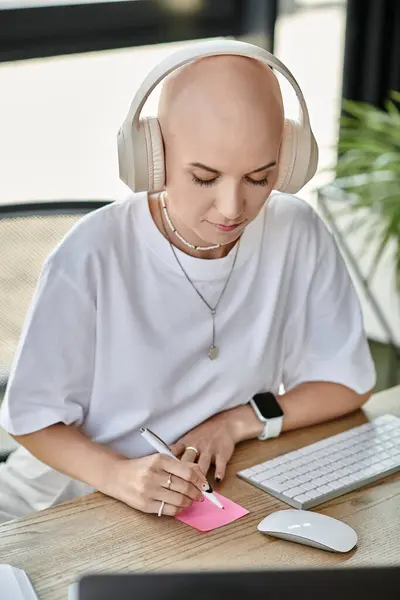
{"points": [[362, 205], [368, 172]]}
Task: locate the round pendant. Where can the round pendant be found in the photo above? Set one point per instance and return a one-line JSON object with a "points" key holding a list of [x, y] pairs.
{"points": [[213, 353]]}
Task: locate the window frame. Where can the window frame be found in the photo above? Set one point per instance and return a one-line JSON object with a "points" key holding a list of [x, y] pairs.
{"points": [[43, 31]]}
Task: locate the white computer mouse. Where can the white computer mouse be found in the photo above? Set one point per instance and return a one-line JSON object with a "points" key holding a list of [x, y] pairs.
{"points": [[309, 528]]}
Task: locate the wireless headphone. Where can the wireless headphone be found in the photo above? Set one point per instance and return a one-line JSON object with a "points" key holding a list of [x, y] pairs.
{"points": [[140, 143]]}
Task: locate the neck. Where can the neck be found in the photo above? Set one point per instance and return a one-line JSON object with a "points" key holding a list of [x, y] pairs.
{"points": [[163, 227]]}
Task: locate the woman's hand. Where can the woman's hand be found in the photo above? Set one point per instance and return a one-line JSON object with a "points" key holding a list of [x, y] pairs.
{"points": [[215, 441], [143, 484], [216, 438]]}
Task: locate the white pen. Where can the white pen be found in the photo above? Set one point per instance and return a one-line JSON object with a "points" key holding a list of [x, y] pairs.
{"points": [[161, 447]]}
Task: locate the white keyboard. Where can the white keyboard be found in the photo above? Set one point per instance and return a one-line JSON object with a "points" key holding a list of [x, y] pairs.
{"points": [[332, 467]]}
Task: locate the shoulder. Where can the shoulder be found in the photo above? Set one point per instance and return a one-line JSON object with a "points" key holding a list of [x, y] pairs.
{"points": [[298, 240], [297, 223], [86, 253], [286, 209], [94, 235]]}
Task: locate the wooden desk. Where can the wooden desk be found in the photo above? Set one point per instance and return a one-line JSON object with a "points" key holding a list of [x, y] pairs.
{"points": [[96, 533]]}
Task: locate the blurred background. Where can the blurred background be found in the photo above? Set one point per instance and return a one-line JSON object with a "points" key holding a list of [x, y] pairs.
{"points": [[69, 70]]}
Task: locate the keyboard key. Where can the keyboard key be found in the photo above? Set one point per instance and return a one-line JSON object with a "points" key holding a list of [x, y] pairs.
{"points": [[295, 491], [304, 478], [258, 477], [304, 469], [317, 464], [295, 465], [258, 468], [309, 485], [322, 480], [371, 471], [279, 469], [295, 473], [357, 476], [317, 473], [297, 481], [276, 486], [348, 479], [281, 478], [247, 472], [343, 481], [335, 485], [302, 498], [353, 468], [331, 476], [325, 470], [312, 494], [270, 463], [324, 489]]}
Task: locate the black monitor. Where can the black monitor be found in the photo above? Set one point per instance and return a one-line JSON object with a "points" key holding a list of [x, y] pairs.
{"points": [[369, 583]]}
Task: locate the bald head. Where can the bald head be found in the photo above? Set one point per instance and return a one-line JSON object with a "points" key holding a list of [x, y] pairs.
{"points": [[232, 96]]}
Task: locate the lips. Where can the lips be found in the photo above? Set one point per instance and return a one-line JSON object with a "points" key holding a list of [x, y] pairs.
{"points": [[226, 228]]}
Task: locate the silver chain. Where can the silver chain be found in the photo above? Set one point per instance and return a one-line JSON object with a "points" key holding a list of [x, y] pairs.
{"points": [[213, 351]]}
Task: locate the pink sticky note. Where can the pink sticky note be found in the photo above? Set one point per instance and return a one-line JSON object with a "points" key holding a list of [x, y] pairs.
{"points": [[205, 516]]}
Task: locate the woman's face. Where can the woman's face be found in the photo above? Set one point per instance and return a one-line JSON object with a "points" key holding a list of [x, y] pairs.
{"points": [[222, 129], [219, 178]]}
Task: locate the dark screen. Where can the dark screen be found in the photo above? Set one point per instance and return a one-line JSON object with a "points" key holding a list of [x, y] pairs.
{"points": [[268, 406], [324, 584]]}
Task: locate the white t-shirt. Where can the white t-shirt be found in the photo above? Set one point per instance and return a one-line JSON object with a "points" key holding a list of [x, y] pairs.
{"points": [[116, 338]]}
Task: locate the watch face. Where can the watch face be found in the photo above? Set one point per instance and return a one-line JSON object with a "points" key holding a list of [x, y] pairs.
{"points": [[268, 405]]}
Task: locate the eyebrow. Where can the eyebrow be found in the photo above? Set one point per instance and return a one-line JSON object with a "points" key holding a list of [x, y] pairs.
{"points": [[211, 170], [268, 166]]}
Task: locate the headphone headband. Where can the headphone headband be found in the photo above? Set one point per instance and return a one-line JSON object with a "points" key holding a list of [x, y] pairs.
{"points": [[141, 147], [202, 50]]}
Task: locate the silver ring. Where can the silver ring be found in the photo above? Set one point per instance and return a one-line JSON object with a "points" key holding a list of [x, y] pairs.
{"points": [[161, 508], [192, 448], [169, 481]]}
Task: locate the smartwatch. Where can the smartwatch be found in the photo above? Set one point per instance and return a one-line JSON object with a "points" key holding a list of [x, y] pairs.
{"points": [[268, 410]]}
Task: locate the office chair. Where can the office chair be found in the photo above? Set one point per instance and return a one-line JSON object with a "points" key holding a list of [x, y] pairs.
{"points": [[28, 233]]}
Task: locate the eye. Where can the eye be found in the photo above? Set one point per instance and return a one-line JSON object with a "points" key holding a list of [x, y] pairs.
{"points": [[261, 182], [205, 182]]}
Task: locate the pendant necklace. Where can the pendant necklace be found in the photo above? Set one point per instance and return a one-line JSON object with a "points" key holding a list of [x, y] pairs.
{"points": [[213, 350]]}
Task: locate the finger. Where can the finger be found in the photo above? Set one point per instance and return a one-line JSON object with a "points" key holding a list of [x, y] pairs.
{"points": [[187, 471], [190, 454], [204, 462], [182, 487], [178, 448], [220, 466], [168, 510], [171, 497]]}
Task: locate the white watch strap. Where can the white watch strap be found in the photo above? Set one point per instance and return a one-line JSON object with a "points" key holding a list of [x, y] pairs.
{"points": [[272, 427]]}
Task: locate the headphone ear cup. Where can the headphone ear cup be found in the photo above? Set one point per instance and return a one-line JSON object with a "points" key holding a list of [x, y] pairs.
{"points": [[287, 156], [314, 155], [155, 154], [141, 156], [298, 157]]}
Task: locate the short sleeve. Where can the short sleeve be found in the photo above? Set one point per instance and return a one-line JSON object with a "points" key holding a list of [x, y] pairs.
{"points": [[325, 338], [52, 372]]}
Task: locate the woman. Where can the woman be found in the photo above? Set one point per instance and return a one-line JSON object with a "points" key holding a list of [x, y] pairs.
{"points": [[173, 310]]}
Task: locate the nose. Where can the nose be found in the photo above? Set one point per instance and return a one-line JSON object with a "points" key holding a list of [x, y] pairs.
{"points": [[230, 204]]}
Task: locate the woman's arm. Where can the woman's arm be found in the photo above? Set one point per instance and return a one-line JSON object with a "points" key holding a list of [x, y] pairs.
{"points": [[67, 450], [139, 482], [307, 404]]}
